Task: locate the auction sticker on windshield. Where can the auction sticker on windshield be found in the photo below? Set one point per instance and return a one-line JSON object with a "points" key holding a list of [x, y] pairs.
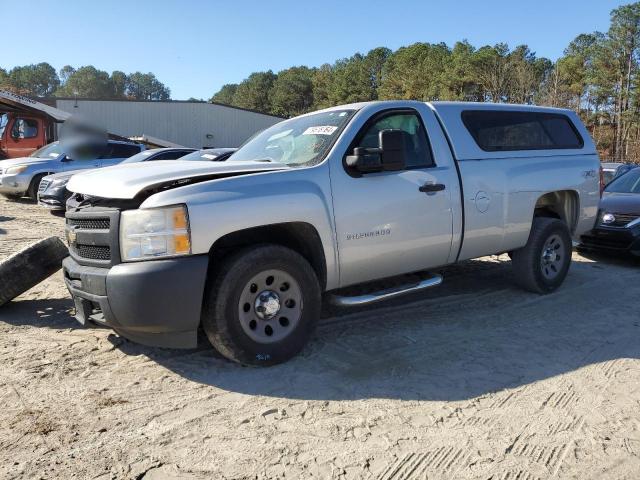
{"points": [[321, 130]]}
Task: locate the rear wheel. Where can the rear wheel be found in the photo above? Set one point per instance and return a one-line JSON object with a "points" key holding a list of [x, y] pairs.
{"points": [[543, 263], [262, 305]]}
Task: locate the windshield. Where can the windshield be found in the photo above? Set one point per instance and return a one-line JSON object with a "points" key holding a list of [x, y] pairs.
{"points": [[53, 150], [4, 119], [139, 157], [202, 155], [301, 141], [626, 183]]}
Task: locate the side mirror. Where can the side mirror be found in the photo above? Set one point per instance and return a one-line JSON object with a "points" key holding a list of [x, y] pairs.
{"points": [[388, 157], [393, 145], [66, 158]]}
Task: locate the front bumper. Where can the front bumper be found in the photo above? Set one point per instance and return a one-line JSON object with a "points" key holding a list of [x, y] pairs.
{"points": [[14, 184], [618, 240], [55, 200], [155, 303]]}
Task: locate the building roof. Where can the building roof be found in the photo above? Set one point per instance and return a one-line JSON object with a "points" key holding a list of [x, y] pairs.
{"points": [[126, 100]]}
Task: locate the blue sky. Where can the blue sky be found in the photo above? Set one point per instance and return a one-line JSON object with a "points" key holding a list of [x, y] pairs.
{"points": [[194, 47]]}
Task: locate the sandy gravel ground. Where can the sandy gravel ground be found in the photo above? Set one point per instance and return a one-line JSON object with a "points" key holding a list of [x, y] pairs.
{"points": [[475, 379]]}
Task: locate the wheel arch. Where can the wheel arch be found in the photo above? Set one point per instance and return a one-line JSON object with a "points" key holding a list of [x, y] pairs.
{"points": [[561, 204], [302, 237]]}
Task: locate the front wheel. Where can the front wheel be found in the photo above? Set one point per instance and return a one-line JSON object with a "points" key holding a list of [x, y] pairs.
{"points": [[543, 263], [262, 306], [32, 191]]}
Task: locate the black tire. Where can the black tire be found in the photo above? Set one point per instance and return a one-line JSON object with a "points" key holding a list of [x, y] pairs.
{"points": [[32, 191], [539, 273], [28, 267], [11, 197], [221, 316]]}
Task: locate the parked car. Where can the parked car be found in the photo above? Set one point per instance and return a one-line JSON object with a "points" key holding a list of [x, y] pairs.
{"points": [[21, 176], [210, 154], [53, 193], [611, 170], [618, 225], [246, 248]]}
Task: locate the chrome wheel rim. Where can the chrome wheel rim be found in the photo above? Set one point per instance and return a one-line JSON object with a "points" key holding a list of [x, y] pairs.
{"points": [[552, 257], [270, 306]]}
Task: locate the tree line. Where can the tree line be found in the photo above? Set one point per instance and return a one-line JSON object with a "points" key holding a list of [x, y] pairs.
{"points": [[42, 80], [597, 76]]}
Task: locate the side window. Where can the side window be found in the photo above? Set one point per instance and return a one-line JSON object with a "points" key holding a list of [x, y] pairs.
{"points": [[122, 150], [24, 128], [500, 130], [418, 151]]}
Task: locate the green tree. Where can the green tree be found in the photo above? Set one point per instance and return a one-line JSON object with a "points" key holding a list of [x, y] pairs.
{"points": [[119, 83], [417, 72], [292, 92], [351, 81], [526, 74], [4, 78], [87, 82], [145, 86], [624, 48], [65, 73], [39, 80], [459, 79], [253, 93], [322, 80], [375, 61], [226, 94]]}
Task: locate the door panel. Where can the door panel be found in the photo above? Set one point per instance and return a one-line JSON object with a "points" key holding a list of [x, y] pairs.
{"points": [[81, 164], [384, 224]]}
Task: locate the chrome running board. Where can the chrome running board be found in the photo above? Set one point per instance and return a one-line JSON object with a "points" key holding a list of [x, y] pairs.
{"points": [[379, 296]]}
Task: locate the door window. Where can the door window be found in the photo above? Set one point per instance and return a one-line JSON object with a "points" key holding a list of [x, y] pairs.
{"points": [[418, 151], [24, 128], [4, 119]]}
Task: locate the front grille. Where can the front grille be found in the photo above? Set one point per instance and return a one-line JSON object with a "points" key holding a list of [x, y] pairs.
{"points": [[92, 234], [622, 219], [43, 185], [93, 252], [90, 223]]}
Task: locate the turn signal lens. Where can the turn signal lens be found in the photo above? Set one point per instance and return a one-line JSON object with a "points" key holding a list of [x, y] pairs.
{"points": [[182, 244]]}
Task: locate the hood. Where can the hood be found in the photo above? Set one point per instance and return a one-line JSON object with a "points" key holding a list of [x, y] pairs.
{"points": [[127, 181], [64, 175], [626, 203], [22, 161]]}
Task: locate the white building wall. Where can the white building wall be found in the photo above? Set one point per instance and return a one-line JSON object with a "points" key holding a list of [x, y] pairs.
{"points": [[186, 123]]}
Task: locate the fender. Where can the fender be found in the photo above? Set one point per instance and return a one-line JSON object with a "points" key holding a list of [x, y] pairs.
{"points": [[222, 206]]}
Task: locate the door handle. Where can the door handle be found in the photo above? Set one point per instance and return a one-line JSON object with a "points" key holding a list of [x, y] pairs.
{"points": [[431, 187]]}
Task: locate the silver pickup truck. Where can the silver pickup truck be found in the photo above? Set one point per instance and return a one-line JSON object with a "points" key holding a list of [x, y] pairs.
{"points": [[247, 249]]}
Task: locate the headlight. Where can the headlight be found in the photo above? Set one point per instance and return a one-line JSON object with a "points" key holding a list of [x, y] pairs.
{"points": [[16, 170], [155, 232], [59, 183], [608, 218]]}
